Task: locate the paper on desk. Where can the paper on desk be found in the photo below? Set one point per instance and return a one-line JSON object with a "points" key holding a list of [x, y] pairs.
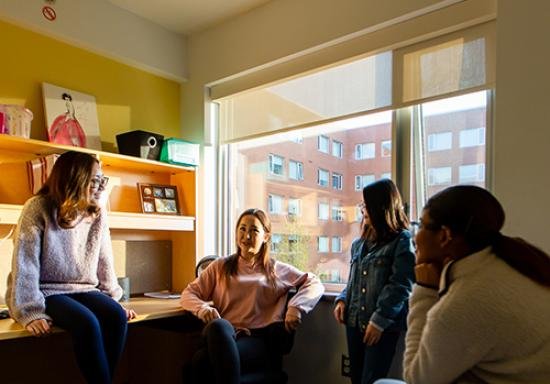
{"points": [[163, 295]]}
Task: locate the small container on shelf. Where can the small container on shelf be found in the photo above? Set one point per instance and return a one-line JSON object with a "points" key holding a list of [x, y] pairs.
{"points": [[180, 152], [15, 120]]}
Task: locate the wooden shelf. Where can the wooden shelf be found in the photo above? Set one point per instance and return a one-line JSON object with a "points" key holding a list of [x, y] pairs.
{"points": [[9, 215], [146, 309], [17, 144]]}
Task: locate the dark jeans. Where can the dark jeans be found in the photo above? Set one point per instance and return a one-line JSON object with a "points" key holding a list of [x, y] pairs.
{"points": [[369, 363], [226, 355], [98, 327]]}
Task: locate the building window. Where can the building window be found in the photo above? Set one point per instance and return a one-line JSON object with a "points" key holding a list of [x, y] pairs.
{"points": [[337, 149], [323, 144], [358, 213], [275, 164], [322, 243], [275, 204], [336, 244], [472, 137], [294, 207], [337, 213], [440, 141], [365, 151], [386, 175], [293, 241], [322, 177], [385, 148], [471, 173], [363, 180], [439, 176], [323, 211], [295, 170], [276, 242], [336, 181]]}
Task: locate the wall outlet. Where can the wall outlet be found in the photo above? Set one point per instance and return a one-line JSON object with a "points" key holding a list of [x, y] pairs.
{"points": [[345, 368]]}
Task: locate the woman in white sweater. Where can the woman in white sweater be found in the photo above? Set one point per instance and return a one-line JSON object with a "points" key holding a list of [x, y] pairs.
{"points": [[481, 307], [62, 267]]}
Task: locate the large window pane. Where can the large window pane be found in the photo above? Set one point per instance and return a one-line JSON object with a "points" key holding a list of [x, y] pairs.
{"points": [[315, 215], [450, 141]]}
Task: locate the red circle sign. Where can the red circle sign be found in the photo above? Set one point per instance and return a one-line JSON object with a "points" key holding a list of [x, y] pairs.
{"points": [[49, 13]]}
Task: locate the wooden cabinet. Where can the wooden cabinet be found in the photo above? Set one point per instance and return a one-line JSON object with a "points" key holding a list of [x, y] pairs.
{"points": [[124, 209]]}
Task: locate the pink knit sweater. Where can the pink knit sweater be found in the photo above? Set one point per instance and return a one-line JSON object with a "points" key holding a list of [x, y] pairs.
{"points": [[250, 301]]}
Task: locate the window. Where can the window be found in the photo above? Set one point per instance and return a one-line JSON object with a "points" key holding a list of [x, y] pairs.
{"points": [[365, 151], [295, 170], [439, 176], [397, 82], [337, 213], [385, 148], [440, 141], [275, 204], [471, 173], [322, 244], [323, 143], [293, 241], [275, 164], [336, 244], [276, 242], [358, 214], [323, 211], [322, 177], [294, 207], [386, 175], [363, 180], [336, 181], [297, 138], [337, 149], [472, 137]]}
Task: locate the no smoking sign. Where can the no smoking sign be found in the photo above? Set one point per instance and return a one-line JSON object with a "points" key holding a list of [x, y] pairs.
{"points": [[49, 13]]}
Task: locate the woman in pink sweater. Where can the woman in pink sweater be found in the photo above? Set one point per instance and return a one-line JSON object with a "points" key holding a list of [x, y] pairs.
{"points": [[243, 300]]}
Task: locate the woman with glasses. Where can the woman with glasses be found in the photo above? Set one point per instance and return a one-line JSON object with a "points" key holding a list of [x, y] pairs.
{"points": [[62, 268], [481, 306], [373, 306]]}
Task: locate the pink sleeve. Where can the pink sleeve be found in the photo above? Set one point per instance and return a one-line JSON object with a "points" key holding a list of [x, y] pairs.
{"points": [[310, 288], [199, 292]]}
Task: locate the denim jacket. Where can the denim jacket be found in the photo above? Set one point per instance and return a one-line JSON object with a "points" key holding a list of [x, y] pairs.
{"points": [[379, 284]]}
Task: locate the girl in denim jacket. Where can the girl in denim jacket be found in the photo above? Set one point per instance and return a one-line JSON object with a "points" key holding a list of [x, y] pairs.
{"points": [[373, 306]]}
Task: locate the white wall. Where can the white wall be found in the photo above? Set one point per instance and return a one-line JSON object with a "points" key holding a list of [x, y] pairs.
{"points": [[522, 126], [100, 27]]}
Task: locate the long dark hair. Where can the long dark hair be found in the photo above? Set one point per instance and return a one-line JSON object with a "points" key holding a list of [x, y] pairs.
{"points": [[385, 209], [476, 214], [68, 187], [231, 263]]}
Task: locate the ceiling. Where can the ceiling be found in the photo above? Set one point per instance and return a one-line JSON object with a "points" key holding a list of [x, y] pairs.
{"points": [[187, 16]]}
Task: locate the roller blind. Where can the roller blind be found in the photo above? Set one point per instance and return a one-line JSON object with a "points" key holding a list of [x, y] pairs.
{"points": [[449, 64]]}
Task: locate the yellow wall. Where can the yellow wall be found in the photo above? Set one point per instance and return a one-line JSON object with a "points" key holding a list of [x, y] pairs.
{"points": [[127, 98]]}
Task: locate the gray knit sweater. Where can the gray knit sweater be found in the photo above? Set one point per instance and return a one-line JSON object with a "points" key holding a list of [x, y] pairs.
{"points": [[49, 260]]}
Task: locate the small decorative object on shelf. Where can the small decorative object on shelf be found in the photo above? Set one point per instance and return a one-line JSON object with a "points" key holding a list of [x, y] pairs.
{"points": [[181, 152], [159, 199], [138, 143]]}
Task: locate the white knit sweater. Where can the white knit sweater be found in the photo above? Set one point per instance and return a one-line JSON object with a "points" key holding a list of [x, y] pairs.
{"points": [[491, 326], [49, 260]]}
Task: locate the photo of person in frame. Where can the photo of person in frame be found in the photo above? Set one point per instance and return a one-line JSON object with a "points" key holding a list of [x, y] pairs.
{"points": [[158, 192], [169, 193]]}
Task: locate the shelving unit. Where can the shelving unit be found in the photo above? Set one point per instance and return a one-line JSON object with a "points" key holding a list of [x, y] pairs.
{"points": [[126, 219]]}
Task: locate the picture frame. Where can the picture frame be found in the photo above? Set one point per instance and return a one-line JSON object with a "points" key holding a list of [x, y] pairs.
{"points": [[159, 199]]}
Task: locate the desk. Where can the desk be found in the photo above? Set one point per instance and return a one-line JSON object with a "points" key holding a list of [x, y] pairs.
{"points": [[146, 309]]}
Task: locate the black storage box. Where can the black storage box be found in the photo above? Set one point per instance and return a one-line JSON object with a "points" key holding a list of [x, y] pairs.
{"points": [[142, 144]]}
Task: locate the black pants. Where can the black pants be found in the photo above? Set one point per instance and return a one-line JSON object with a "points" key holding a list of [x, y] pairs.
{"points": [[226, 355], [98, 327]]}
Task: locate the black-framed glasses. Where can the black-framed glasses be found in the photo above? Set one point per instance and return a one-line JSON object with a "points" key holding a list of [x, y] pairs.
{"points": [[99, 182]]}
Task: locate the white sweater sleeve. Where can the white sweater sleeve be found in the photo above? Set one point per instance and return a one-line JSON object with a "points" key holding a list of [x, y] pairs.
{"points": [[443, 338]]}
